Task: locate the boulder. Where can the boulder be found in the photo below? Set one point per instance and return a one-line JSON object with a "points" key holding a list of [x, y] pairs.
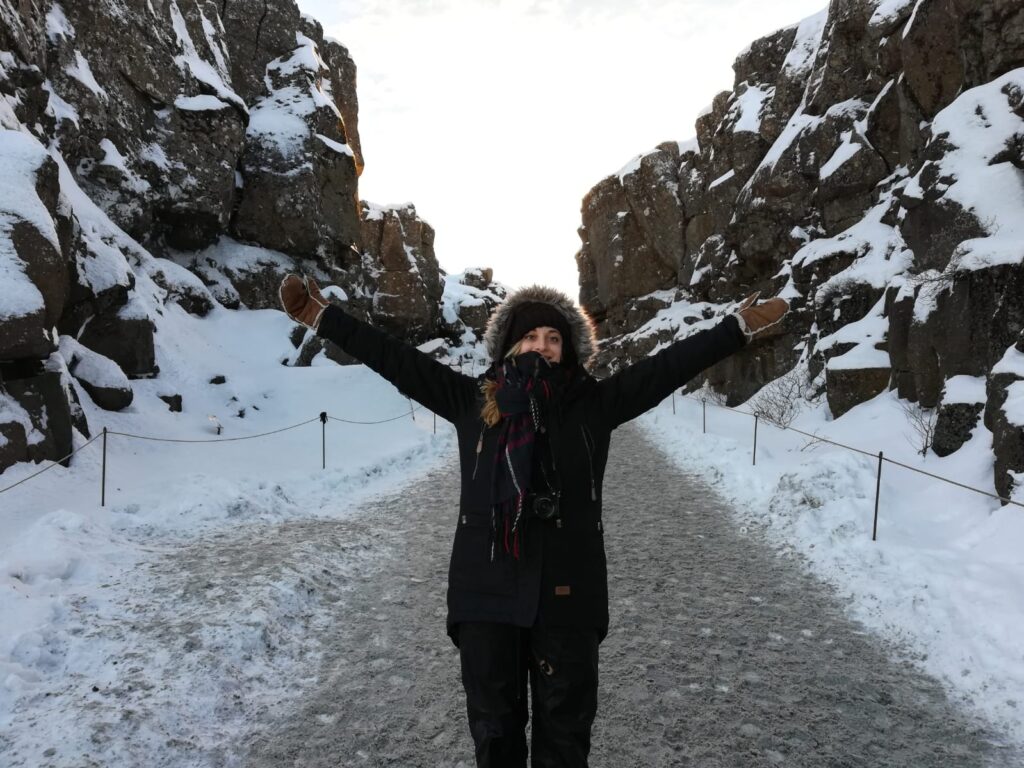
{"points": [[106, 384], [173, 402], [126, 338], [849, 383], [40, 393]]}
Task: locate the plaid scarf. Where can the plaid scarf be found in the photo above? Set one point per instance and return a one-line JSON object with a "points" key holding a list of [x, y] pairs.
{"points": [[525, 389]]}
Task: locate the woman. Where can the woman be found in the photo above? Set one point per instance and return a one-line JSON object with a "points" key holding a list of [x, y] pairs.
{"points": [[527, 584]]}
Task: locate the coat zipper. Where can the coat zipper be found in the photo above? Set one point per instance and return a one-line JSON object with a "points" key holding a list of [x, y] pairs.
{"points": [[590, 462], [479, 448]]}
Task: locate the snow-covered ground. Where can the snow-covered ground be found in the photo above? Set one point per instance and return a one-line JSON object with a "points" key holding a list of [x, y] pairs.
{"points": [[72, 573], [945, 577]]}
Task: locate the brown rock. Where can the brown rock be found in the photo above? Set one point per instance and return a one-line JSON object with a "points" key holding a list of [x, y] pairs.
{"points": [[408, 279], [954, 425], [932, 57], [848, 387], [42, 395], [125, 339], [13, 444]]}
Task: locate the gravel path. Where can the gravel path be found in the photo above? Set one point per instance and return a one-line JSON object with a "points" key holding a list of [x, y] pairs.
{"points": [[721, 653]]}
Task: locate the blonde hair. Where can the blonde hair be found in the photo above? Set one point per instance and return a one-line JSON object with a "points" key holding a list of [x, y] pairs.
{"points": [[490, 413]]}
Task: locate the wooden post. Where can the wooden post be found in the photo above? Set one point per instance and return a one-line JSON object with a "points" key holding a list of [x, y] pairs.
{"points": [[323, 439], [673, 402], [103, 479], [878, 493], [756, 418], [435, 423]]}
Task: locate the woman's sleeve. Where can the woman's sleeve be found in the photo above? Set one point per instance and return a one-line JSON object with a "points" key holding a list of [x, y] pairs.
{"points": [[415, 374], [638, 388]]}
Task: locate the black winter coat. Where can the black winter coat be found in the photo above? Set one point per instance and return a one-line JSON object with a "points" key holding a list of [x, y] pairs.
{"points": [[561, 576]]}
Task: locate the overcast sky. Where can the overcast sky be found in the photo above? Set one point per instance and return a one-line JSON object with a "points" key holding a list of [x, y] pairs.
{"points": [[495, 118]]}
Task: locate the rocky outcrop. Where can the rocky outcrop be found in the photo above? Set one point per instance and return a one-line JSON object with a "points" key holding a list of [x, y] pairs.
{"points": [[863, 167], [408, 280], [175, 153]]}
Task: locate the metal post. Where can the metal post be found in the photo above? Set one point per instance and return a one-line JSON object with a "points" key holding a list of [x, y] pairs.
{"points": [[756, 418], [412, 411], [673, 402], [435, 423], [103, 481], [704, 405], [878, 492], [323, 438]]}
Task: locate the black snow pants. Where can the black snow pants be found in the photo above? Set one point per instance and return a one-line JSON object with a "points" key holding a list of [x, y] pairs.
{"points": [[561, 664]]}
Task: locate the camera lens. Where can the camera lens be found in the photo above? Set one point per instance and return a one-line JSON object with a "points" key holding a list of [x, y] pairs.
{"points": [[544, 507]]}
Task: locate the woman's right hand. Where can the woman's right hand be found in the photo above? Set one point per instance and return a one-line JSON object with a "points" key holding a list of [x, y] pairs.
{"points": [[302, 301]]}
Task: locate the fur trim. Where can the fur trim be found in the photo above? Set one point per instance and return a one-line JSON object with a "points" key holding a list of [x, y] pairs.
{"points": [[584, 336]]}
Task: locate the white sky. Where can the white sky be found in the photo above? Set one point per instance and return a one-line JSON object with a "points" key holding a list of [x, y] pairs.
{"points": [[495, 118]]}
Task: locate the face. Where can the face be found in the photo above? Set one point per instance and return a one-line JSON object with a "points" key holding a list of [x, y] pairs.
{"points": [[544, 340]]}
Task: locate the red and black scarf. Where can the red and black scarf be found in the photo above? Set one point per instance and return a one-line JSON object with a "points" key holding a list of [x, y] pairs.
{"points": [[526, 387]]}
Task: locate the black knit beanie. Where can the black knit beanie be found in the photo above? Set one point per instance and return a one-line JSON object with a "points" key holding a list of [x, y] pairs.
{"points": [[537, 314]]}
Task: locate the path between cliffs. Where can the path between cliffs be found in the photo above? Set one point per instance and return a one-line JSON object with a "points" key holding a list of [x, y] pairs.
{"points": [[720, 652]]}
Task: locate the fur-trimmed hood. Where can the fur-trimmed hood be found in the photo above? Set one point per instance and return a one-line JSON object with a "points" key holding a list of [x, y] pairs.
{"points": [[584, 337]]}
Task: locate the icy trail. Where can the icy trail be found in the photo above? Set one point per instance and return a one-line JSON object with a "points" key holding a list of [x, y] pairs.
{"points": [[321, 642], [720, 653]]}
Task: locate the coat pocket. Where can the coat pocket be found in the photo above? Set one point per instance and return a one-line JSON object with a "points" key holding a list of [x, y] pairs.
{"points": [[472, 569]]}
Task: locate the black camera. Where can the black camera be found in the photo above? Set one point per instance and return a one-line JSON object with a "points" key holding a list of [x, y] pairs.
{"points": [[544, 507]]}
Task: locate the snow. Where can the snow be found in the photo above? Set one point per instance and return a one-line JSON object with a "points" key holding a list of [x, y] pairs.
{"points": [[1012, 362], [200, 104], [81, 72], [979, 124], [887, 11], [1013, 408], [746, 111], [59, 108], [191, 62], [805, 45], [689, 145], [913, 17], [57, 25], [722, 179], [337, 146], [861, 357], [843, 153], [943, 581], [22, 156], [881, 253], [969, 390], [69, 567]]}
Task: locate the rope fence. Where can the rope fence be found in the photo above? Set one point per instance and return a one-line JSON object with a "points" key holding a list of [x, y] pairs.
{"points": [[323, 418], [817, 438]]}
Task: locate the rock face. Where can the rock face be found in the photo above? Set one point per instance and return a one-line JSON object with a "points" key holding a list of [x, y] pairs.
{"points": [[860, 167], [408, 280], [184, 152]]}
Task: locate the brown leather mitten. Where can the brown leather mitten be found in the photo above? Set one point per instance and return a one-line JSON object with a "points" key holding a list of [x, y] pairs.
{"points": [[760, 320], [301, 300]]}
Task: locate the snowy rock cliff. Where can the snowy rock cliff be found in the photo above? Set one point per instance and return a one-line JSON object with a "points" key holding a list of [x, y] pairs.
{"points": [[868, 166], [177, 155]]}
